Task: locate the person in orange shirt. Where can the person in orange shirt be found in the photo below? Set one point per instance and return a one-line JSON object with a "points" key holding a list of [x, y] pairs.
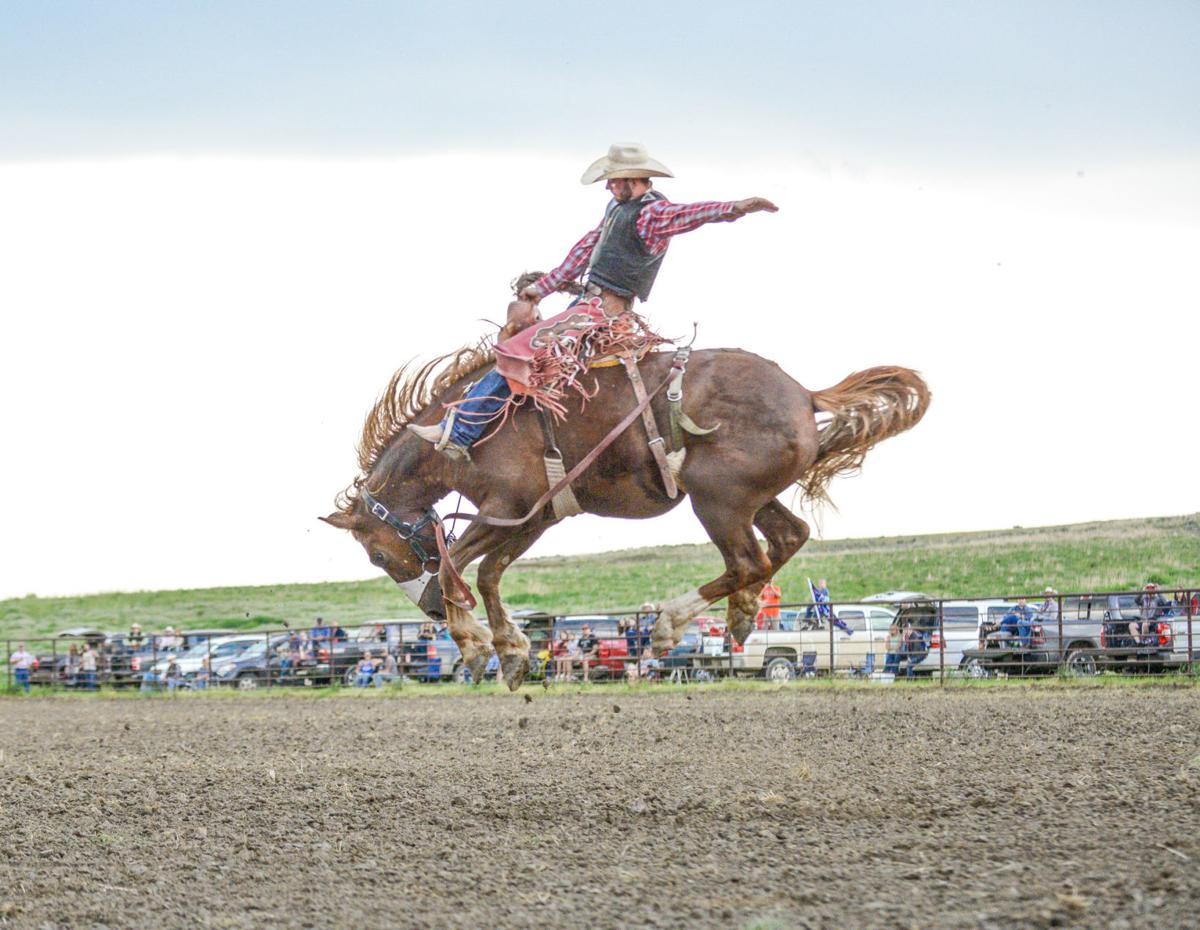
{"points": [[769, 599]]}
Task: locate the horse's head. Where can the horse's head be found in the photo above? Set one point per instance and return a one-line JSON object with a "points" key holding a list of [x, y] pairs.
{"points": [[402, 543]]}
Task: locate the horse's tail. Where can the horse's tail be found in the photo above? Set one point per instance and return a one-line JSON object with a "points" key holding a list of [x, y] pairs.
{"points": [[867, 407]]}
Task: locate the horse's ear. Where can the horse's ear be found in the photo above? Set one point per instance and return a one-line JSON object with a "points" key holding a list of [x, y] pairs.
{"points": [[343, 521]]}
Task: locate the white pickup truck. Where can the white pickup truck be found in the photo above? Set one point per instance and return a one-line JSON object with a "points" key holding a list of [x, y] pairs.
{"points": [[782, 654]]}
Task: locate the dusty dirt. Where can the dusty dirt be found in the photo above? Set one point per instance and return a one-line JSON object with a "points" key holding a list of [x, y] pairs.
{"points": [[806, 807]]}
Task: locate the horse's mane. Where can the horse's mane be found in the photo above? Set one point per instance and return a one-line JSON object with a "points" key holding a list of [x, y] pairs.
{"points": [[411, 390]]}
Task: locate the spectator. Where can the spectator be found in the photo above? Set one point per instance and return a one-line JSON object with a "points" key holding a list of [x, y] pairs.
{"points": [[1152, 606], [648, 668], [820, 595], [589, 649], [174, 675], [87, 666], [916, 647], [22, 663], [895, 648], [72, 666], [203, 674], [170, 639], [769, 599], [364, 671], [339, 634], [646, 619], [1018, 622], [633, 639], [1047, 610], [319, 634], [389, 672], [561, 651], [135, 640]]}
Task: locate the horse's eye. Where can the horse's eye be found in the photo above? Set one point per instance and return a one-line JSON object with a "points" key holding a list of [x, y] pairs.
{"points": [[378, 557]]}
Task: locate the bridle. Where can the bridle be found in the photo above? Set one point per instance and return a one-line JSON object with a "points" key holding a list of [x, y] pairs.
{"points": [[423, 544]]}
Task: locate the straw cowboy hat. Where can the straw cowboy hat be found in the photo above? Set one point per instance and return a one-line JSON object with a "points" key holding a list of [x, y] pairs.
{"points": [[625, 160]]}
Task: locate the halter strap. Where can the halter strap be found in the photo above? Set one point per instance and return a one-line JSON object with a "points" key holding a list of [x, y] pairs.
{"points": [[409, 532]]}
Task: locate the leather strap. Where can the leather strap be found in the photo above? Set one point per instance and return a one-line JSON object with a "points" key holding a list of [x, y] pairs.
{"points": [[656, 441], [575, 472]]}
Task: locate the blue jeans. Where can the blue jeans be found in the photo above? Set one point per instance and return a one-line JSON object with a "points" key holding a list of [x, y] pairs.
{"points": [[486, 397], [891, 665], [89, 681], [362, 680], [21, 676]]}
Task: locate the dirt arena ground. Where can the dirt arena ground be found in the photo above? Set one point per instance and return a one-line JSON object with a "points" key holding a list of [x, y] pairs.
{"points": [[803, 807]]}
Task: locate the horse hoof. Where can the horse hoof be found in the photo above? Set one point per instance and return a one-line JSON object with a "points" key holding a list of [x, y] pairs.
{"points": [[514, 668], [741, 629], [477, 666]]}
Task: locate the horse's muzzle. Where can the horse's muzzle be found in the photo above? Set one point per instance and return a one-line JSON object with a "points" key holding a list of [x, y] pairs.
{"points": [[426, 592]]}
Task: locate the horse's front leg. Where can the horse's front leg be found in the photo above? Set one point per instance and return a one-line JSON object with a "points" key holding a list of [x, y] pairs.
{"points": [[512, 646]]}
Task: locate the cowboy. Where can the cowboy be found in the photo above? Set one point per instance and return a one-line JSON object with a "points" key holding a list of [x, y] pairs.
{"points": [[619, 261]]}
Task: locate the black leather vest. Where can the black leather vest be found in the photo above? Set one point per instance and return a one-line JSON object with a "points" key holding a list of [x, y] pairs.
{"points": [[621, 262]]}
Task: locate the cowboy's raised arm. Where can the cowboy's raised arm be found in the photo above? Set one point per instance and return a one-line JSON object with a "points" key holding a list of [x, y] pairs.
{"points": [[571, 268], [662, 219]]}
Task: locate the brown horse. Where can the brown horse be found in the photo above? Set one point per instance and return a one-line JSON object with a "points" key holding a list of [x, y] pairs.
{"points": [[768, 440]]}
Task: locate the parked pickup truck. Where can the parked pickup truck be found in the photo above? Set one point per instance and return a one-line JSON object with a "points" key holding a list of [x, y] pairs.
{"points": [[780, 655], [1095, 637]]}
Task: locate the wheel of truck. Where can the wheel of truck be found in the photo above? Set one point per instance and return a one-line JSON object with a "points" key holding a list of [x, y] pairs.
{"points": [[247, 681], [780, 669], [1081, 663], [973, 668]]}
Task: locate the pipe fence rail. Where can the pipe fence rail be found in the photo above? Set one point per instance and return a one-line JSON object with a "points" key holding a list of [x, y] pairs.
{"points": [[879, 639]]}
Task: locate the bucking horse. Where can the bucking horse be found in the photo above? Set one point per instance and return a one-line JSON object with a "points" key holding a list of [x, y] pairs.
{"points": [[768, 433]]}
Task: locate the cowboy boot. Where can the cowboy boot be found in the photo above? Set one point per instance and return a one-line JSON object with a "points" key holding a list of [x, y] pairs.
{"points": [[440, 437]]}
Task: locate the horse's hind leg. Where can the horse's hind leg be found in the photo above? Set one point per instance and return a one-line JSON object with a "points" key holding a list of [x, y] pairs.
{"points": [[785, 533], [729, 527]]}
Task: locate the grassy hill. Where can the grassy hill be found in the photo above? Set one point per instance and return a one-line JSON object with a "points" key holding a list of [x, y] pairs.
{"points": [[1080, 557]]}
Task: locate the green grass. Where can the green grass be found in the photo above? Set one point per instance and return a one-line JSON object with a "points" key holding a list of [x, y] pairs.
{"points": [[488, 690], [1082, 557]]}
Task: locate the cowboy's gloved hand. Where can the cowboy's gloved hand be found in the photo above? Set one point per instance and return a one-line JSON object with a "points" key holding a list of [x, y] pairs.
{"points": [[753, 205]]}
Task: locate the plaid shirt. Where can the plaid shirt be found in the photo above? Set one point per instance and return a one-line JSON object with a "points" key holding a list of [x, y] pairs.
{"points": [[656, 224]]}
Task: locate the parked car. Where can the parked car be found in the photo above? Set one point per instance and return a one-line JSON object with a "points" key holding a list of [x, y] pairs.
{"points": [[958, 630], [780, 654], [218, 649]]}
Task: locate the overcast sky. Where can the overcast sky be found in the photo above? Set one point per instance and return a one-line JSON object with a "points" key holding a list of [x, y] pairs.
{"points": [[225, 224]]}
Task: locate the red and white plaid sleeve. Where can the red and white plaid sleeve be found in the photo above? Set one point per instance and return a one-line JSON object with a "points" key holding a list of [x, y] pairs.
{"points": [[661, 220], [572, 267]]}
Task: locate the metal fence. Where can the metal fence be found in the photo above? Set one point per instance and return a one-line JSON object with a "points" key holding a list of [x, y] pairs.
{"points": [[879, 640]]}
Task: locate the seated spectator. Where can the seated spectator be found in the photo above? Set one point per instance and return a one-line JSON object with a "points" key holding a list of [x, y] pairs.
{"points": [[135, 640], [1152, 607], [647, 669], [339, 634], [319, 635], [169, 640], [493, 668], [364, 671], [628, 628], [203, 674], [174, 676], [560, 650], [589, 649], [1018, 622], [389, 672], [1047, 610]]}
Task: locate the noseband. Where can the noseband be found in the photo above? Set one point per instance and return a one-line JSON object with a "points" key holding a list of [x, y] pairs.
{"points": [[424, 545]]}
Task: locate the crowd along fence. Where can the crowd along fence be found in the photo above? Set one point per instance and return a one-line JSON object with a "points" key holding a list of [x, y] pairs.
{"points": [[881, 639]]}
